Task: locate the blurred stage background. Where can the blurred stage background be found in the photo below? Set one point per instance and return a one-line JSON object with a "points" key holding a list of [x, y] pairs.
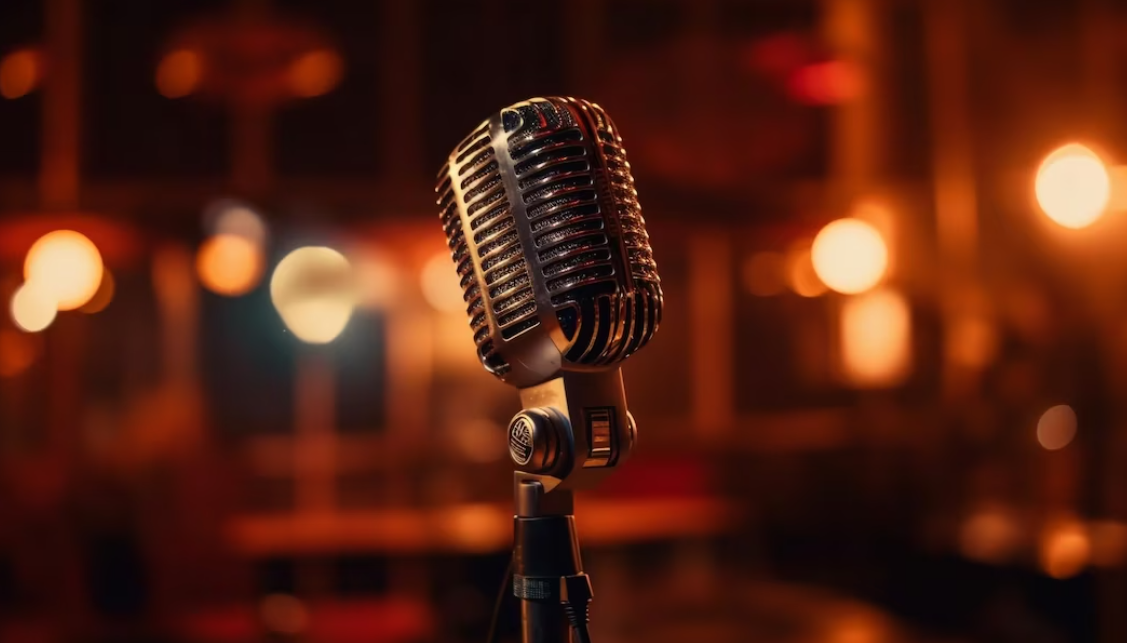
{"points": [[907, 426]]}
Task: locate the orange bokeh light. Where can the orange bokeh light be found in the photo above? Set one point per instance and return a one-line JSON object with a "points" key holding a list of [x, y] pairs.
{"points": [[31, 309], [65, 266], [20, 73], [315, 73], [876, 338], [850, 256], [800, 273], [179, 73], [230, 265], [1073, 186], [17, 352], [439, 282]]}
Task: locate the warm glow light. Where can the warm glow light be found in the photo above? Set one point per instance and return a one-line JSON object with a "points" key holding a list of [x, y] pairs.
{"points": [[1057, 427], [1065, 550], [440, 284], [765, 274], [825, 83], [315, 73], [849, 256], [230, 265], [20, 72], [17, 352], [283, 614], [179, 73], [32, 309], [991, 535], [314, 291], [800, 274], [103, 296], [65, 266], [1073, 186], [231, 217], [377, 279], [972, 342], [876, 338]]}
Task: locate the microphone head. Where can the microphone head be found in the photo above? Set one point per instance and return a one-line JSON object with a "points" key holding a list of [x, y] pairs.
{"points": [[547, 236]]}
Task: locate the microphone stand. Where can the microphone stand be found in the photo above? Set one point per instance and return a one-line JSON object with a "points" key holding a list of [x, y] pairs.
{"points": [[548, 578]]}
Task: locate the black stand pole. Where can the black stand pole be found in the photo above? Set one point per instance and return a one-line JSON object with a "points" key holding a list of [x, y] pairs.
{"points": [[548, 573]]}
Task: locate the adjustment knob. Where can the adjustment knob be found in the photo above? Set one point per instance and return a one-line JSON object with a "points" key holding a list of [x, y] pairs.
{"points": [[534, 439]]}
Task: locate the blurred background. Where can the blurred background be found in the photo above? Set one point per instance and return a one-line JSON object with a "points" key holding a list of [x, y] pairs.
{"points": [[886, 403]]}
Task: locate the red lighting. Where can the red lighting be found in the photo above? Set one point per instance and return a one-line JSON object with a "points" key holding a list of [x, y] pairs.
{"points": [[825, 83]]}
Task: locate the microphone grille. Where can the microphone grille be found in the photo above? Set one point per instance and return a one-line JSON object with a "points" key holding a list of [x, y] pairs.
{"points": [[581, 204], [493, 226]]}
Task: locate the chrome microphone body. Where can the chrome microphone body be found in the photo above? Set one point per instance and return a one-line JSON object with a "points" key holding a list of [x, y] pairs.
{"points": [[544, 226]]}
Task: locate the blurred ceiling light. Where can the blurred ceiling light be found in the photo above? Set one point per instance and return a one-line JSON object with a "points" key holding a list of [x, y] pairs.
{"points": [[1057, 427], [377, 279], [825, 83], [850, 256], [179, 73], [1065, 549], [20, 73], [765, 274], [314, 291], [32, 309], [230, 265], [283, 614], [103, 296], [232, 217], [800, 273], [876, 339], [315, 73], [1073, 186], [439, 282], [17, 352], [65, 266], [990, 535]]}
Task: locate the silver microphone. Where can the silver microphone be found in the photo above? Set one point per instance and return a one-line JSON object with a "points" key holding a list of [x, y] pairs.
{"points": [[547, 236]]}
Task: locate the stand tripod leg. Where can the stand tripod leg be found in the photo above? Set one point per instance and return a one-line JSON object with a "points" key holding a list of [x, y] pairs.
{"points": [[548, 573]]}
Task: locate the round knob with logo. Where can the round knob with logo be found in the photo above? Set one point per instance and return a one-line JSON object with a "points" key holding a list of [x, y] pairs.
{"points": [[534, 439]]}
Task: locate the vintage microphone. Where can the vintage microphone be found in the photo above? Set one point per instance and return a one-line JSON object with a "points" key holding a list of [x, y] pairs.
{"points": [[560, 284]]}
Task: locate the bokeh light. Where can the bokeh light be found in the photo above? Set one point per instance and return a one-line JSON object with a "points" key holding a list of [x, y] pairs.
{"points": [[230, 265], [314, 291], [66, 267], [235, 218], [990, 535], [825, 83], [1057, 427], [800, 273], [32, 309], [850, 256], [764, 274], [17, 352], [20, 73], [377, 278], [439, 282], [315, 73], [1065, 549], [1073, 186], [973, 342], [179, 73], [103, 296], [876, 338]]}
